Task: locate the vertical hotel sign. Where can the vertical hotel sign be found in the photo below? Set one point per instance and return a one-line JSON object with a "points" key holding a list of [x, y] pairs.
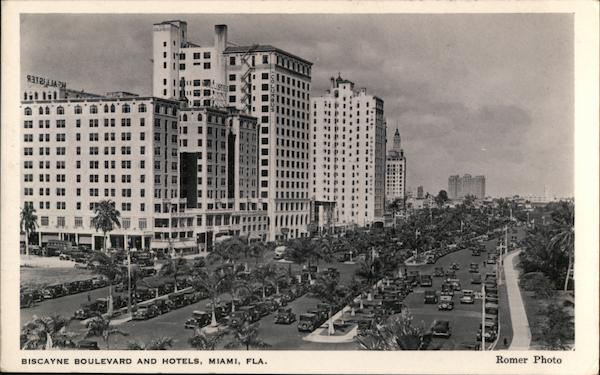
{"points": [[46, 82], [272, 86]]}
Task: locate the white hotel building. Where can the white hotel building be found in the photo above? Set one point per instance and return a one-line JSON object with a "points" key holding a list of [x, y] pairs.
{"points": [[79, 149], [348, 157], [395, 176], [259, 80]]}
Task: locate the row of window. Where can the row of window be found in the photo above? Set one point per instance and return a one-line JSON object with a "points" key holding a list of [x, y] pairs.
{"points": [[93, 109]]}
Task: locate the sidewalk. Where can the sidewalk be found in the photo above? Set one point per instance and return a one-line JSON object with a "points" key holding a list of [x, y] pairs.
{"points": [[520, 325]]}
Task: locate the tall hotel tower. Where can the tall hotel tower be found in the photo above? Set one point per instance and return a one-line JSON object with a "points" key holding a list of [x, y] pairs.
{"points": [[260, 81], [348, 156]]}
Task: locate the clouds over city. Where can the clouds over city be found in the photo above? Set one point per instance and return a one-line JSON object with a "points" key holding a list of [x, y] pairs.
{"points": [[479, 94]]}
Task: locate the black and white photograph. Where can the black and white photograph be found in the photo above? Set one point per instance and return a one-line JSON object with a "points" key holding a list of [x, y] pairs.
{"points": [[238, 182]]}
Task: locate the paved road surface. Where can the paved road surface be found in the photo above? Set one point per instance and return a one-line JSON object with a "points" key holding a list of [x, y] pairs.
{"points": [[522, 333]]}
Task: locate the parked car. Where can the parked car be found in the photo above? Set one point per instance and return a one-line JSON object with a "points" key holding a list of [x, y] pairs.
{"points": [[253, 314], [468, 298], [145, 312], [430, 297], [455, 266], [199, 319], [438, 272], [474, 268], [237, 318], [284, 315], [441, 328], [476, 279], [447, 289], [426, 280], [87, 345], [308, 322], [84, 312], [446, 303], [162, 306], [26, 299]]}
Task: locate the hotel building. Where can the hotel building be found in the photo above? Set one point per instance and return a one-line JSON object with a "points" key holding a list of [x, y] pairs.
{"points": [[460, 187], [80, 148], [348, 157], [395, 176], [262, 81]]}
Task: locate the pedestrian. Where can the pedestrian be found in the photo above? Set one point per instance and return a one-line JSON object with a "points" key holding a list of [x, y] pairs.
{"points": [[89, 297], [483, 263], [505, 342]]}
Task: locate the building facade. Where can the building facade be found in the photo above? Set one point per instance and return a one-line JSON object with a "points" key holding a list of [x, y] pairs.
{"points": [[80, 149], [348, 154], [460, 187], [258, 80], [395, 176]]}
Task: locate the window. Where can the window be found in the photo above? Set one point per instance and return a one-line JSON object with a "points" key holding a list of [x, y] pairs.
{"points": [[231, 60], [28, 113], [265, 59], [206, 65], [93, 109], [77, 109], [60, 110], [264, 75], [125, 108], [232, 77]]}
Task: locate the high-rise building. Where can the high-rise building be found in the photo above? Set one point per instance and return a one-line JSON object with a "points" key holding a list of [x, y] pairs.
{"points": [[348, 154], [259, 80], [459, 187], [420, 192], [453, 186], [80, 148], [219, 174], [395, 176]]}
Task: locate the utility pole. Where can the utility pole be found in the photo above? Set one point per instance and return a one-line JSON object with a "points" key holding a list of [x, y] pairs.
{"points": [[129, 282], [482, 317]]}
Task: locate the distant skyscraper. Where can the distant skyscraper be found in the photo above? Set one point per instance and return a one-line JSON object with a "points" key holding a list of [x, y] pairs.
{"points": [[348, 154], [395, 177], [459, 187]]}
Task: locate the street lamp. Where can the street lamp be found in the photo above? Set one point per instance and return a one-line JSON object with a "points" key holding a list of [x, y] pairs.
{"points": [[129, 278]]}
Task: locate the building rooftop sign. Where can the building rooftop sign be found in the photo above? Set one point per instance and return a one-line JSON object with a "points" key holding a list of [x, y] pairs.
{"points": [[45, 81]]}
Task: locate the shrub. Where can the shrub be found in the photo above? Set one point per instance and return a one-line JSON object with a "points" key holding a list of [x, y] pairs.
{"points": [[538, 283]]}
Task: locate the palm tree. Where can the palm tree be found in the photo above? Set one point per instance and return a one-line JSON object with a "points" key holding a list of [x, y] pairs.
{"points": [[162, 343], [28, 224], [258, 250], [98, 326], [108, 268], [369, 269], [234, 286], [214, 283], [107, 217], [264, 275], [228, 251], [247, 335], [397, 333], [202, 341], [48, 332], [563, 230], [328, 290], [175, 267]]}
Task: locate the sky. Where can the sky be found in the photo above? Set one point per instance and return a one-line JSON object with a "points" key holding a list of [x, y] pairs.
{"points": [[484, 94]]}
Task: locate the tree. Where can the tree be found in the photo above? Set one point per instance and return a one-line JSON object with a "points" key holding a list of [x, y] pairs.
{"points": [[162, 343], [202, 341], [300, 250], [557, 328], [257, 250], [48, 332], [397, 333], [369, 269], [441, 198], [234, 285], [107, 267], [175, 267], [214, 283], [538, 283], [265, 274], [28, 224], [246, 335], [328, 290], [563, 234], [98, 326], [228, 251], [106, 218]]}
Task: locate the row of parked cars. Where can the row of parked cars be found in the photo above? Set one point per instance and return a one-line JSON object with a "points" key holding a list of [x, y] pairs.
{"points": [[30, 296]]}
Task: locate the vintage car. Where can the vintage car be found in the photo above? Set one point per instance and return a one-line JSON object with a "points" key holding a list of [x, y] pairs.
{"points": [[441, 328], [253, 313], [438, 272], [199, 319], [476, 252], [446, 303], [476, 279], [308, 322], [145, 312], [450, 274], [284, 315], [87, 345], [53, 291], [178, 300], [467, 297], [163, 306], [490, 335], [474, 268], [491, 308], [238, 318], [26, 299], [447, 289], [263, 308], [426, 280], [455, 266], [430, 296]]}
